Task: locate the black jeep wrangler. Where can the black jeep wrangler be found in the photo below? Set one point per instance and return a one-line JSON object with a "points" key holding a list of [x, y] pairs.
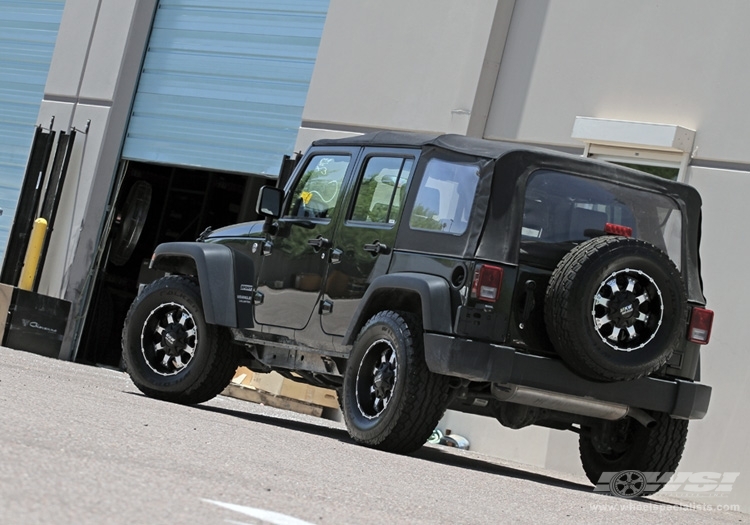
{"points": [[414, 273]]}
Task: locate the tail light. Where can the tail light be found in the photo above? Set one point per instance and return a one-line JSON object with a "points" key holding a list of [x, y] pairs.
{"points": [[488, 280], [701, 322], [618, 229]]}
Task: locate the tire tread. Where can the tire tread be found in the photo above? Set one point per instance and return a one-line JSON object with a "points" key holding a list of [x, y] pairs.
{"points": [[424, 400], [661, 452]]}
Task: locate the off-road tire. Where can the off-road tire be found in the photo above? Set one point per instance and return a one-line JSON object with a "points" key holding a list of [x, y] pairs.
{"points": [[649, 450], [205, 374], [570, 309], [418, 398]]}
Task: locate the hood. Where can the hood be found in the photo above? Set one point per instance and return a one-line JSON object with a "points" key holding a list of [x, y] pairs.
{"points": [[242, 229]]}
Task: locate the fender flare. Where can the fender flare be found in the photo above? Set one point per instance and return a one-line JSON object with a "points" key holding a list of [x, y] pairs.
{"points": [[213, 264], [434, 294]]}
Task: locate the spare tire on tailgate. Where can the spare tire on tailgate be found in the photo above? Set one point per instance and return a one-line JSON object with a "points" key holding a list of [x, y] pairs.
{"points": [[615, 308]]}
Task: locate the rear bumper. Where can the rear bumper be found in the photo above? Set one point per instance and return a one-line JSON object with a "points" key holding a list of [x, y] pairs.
{"points": [[477, 361]]}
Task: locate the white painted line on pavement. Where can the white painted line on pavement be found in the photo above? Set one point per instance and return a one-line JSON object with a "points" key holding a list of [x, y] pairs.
{"points": [[276, 518]]}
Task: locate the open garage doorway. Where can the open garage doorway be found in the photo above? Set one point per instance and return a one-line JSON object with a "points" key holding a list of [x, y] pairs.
{"points": [[155, 204]]}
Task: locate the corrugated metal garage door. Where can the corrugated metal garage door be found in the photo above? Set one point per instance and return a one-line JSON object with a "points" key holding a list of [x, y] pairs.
{"points": [[28, 29], [224, 83]]}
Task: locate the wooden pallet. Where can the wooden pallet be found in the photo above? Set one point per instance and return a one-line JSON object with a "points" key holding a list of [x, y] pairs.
{"points": [[280, 392], [265, 398]]}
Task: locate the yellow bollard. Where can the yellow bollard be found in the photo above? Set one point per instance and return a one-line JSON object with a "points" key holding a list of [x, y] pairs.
{"points": [[33, 253]]}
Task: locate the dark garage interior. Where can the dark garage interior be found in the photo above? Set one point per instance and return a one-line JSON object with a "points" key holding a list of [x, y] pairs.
{"points": [[155, 204]]}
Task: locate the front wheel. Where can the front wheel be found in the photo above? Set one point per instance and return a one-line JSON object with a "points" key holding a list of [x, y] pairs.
{"points": [[390, 400], [631, 457], [169, 350]]}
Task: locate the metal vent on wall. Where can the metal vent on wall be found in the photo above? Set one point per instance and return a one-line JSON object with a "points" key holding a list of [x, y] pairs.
{"points": [[224, 83]]}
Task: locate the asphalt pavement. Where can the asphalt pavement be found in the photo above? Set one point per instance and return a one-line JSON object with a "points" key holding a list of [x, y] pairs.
{"points": [[81, 445]]}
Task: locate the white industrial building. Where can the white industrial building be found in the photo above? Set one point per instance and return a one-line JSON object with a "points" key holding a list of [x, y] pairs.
{"points": [[198, 99]]}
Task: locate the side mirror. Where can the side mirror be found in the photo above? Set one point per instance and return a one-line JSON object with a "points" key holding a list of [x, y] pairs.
{"points": [[269, 203]]}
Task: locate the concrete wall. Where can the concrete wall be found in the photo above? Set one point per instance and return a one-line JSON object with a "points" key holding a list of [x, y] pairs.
{"points": [[92, 77], [720, 442], [674, 62], [419, 65]]}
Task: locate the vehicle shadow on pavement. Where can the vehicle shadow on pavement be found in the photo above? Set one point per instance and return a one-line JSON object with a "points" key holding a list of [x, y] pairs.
{"points": [[433, 454], [454, 458], [299, 426], [451, 458]]}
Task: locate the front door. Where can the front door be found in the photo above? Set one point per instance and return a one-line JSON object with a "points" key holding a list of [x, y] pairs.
{"points": [[291, 274], [363, 242]]}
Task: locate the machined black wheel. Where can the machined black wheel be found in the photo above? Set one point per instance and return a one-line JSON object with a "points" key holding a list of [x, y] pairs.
{"points": [[632, 459], [170, 352], [169, 338], [627, 310], [616, 308], [376, 378], [389, 399]]}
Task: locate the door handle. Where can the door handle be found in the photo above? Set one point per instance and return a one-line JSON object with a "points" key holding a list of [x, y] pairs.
{"points": [[376, 248], [319, 243]]}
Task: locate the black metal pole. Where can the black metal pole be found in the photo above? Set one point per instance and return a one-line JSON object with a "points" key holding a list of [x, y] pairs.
{"points": [[28, 205]]}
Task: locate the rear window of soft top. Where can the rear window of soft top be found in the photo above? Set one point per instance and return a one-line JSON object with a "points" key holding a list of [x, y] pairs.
{"points": [[562, 209]]}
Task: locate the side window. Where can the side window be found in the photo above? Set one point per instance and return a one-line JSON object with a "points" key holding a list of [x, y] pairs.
{"points": [[445, 197], [317, 192], [380, 193]]}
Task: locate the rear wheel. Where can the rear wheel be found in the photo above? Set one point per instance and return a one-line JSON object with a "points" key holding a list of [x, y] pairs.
{"points": [[390, 400], [170, 352], [634, 456]]}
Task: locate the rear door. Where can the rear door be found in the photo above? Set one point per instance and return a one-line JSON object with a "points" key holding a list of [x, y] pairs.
{"points": [[363, 242]]}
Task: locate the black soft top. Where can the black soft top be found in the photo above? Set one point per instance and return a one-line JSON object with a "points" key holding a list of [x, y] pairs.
{"points": [[508, 166], [492, 149], [489, 149]]}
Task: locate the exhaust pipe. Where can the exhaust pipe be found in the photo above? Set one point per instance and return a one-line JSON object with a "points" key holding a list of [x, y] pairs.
{"points": [[582, 406]]}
